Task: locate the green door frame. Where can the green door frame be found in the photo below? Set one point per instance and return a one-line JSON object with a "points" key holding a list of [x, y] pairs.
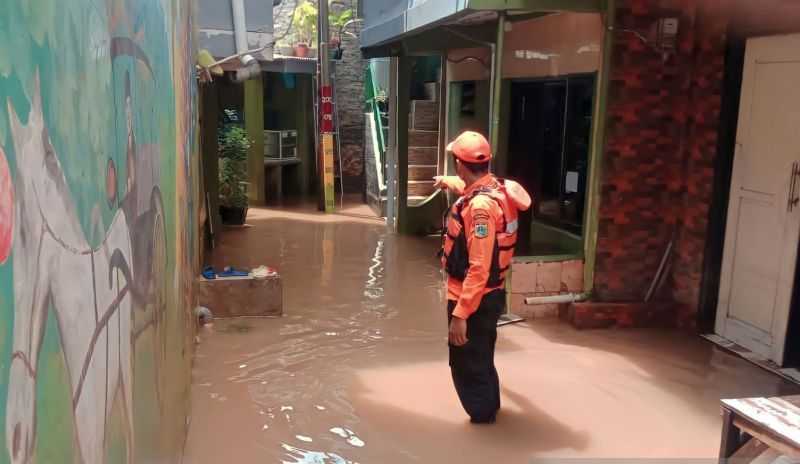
{"points": [[593, 199]]}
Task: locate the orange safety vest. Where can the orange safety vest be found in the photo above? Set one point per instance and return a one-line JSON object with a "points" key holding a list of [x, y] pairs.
{"points": [[455, 253]]}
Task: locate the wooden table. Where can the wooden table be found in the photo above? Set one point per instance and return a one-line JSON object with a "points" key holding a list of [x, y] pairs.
{"points": [[751, 426]]}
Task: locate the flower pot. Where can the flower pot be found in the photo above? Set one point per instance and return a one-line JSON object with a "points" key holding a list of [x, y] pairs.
{"points": [[286, 50], [233, 216], [301, 50]]}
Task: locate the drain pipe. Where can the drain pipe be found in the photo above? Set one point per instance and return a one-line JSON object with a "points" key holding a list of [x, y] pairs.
{"points": [[557, 299], [250, 68]]}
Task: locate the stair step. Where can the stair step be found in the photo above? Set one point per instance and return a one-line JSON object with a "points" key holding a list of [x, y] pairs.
{"points": [[424, 115], [416, 200], [420, 188], [421, 172], [423, 155], [423, 138]]}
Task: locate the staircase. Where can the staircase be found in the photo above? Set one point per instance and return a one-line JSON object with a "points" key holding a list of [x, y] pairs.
{"points": [[423, 150]]}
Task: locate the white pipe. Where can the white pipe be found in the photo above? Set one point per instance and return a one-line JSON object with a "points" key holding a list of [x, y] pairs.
{"points": [[240, 31], [250, 66], [557, 299]]}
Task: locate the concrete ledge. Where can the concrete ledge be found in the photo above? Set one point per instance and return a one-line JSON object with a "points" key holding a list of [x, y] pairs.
{"points": [[623, 315], [242, 296]]}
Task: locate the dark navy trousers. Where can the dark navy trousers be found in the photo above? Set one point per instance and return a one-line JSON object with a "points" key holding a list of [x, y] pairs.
{"points": [[472, 365]]}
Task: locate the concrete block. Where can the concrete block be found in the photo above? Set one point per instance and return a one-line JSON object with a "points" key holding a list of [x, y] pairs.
{"points": [[518, 305], [572, 276], [242, 296], [523, 277], [548, 277]]}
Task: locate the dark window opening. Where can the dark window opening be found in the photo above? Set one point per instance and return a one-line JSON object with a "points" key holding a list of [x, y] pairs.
{"points": [[549, 144]]}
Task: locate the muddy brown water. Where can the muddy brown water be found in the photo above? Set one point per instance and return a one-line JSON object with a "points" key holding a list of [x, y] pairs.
{"points": [[356, 371]]}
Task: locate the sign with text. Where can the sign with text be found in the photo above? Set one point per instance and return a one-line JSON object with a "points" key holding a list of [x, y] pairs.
{"points": [[326, 109]]}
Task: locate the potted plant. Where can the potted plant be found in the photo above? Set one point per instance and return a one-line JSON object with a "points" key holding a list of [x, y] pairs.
{"points": [[338, 21], [233, 175], [305, 28]]}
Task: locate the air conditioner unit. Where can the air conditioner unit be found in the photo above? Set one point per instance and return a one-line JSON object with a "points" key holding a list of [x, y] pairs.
{"points": [[280, 144]]}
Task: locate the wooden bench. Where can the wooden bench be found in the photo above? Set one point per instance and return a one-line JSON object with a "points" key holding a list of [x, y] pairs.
{"points": [[753, 426]]}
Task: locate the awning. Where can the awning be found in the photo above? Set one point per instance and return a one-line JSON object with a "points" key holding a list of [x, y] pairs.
{"points": [[393, 27]]}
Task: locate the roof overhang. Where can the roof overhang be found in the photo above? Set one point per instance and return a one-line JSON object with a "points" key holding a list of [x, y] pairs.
{"points": [[435, 25]]}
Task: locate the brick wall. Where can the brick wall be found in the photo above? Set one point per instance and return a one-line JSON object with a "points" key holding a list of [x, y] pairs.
{"points": [[349, 75], [661, 143]]}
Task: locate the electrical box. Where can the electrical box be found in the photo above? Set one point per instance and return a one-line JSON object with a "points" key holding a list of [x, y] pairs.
{"points": [[667, 34]]}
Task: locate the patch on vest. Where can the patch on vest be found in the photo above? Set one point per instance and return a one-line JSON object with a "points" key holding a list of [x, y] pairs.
{"points": [[482, 230]]}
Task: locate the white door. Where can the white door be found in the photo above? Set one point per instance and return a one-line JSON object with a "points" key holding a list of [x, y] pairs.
{"points": [[764, 211]]}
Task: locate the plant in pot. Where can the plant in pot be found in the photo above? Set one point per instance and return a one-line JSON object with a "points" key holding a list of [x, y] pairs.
{"points": [[338, 21], [233, 175], [305, 28]]}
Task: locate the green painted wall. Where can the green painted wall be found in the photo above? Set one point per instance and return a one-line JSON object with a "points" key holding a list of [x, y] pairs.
{"points": [[98, 229], [254, 125]]}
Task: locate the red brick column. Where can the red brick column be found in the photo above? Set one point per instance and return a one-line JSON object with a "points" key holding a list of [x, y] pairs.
{"points": [[661, 141]]}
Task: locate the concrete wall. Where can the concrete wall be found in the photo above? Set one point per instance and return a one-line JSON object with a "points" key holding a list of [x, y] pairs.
{"points": [[98, 229], [555, 45]]}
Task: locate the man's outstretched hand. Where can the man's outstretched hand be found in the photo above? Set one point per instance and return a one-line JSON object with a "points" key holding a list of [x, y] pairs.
{"points": [[452, 183], [458, 332]]}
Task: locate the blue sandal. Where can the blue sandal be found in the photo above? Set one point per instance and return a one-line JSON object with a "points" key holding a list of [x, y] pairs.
{"points": [[209, 273], [230, 271]]}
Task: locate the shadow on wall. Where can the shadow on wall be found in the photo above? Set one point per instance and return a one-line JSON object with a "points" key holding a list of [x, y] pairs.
{"points": [[96, 130]]}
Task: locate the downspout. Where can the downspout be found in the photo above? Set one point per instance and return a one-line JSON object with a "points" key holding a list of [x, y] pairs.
{"points": [[250, 67], [497, 83]]}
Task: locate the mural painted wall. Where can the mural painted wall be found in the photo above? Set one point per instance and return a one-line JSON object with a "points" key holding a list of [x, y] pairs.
{"points": [[97, 229]]}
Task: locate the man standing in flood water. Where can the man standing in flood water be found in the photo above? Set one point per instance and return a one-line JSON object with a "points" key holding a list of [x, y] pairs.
{"points": [[480, 235]]}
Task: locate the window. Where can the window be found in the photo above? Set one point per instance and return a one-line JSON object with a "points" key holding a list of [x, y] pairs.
{"points": [[549, 146]]}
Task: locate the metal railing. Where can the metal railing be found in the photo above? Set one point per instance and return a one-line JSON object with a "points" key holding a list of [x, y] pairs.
{"points": [[375, 97]]}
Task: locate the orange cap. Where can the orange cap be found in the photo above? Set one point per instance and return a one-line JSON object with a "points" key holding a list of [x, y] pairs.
{"points": [[470, 147]]}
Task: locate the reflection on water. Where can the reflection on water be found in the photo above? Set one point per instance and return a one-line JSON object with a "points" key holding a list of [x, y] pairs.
{"points": [[349, 436], [374, 285], [349, 291], [302, 456]]}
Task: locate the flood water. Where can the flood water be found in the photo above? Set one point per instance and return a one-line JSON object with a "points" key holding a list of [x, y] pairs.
{"points": [[356, 370]]}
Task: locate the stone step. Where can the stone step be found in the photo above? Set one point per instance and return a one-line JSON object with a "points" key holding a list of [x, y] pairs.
{"points": [[423, 138], [416, 200], [423, 155], [420, 188], [421, 172], [424, 115]]}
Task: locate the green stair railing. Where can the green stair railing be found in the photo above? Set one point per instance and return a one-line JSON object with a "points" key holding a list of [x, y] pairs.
{"points": [[377, 104]]}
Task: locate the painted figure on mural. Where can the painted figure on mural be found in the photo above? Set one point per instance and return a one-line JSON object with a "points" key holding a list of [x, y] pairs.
{"points": [[51, 255], [96, 131]]}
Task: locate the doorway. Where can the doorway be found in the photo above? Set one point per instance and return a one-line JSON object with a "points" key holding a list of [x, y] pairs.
{"points": [[763, 221], [548, 148]]}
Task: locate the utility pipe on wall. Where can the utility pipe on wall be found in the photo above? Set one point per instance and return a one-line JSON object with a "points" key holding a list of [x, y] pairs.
{"points": [[250, 68], [497, 83], [557, 299]]}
